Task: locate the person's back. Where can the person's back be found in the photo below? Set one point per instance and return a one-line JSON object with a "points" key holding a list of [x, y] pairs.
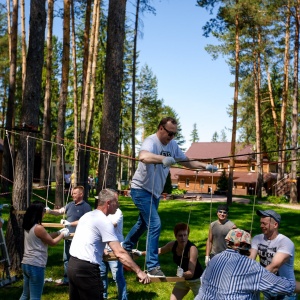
{"points": [[231, 275]]}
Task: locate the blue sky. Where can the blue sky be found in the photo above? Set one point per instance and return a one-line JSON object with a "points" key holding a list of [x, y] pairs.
{"points": [[189, 81], [196, 86]]}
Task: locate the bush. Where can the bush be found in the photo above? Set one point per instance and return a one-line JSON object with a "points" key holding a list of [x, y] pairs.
{"points": [[277, 200], [178, 192]]}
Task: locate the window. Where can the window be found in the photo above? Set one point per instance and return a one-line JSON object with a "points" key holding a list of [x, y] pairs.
{"points": [[252, 168], [220, 165], [187, 182]]}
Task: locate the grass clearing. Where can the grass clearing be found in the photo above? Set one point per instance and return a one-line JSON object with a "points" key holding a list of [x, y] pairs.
{"points": [[171, 212]]}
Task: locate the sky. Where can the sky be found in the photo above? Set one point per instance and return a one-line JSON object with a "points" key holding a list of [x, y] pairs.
{"points": [[189, 80]]}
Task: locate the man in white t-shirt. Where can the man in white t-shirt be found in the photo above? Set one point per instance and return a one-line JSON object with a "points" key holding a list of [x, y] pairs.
{"points": [[158, 152], [276, 251], [93, 232]]}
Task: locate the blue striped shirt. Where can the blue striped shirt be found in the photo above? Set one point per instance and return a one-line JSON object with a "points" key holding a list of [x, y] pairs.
{"points": [[232, 276]]}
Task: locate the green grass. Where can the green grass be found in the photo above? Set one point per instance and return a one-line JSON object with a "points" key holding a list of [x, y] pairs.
{"points": [[171, 212]]}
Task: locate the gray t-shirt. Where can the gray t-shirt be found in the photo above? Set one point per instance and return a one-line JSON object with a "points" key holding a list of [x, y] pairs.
{"points": [[219, 232], [152, 177]]}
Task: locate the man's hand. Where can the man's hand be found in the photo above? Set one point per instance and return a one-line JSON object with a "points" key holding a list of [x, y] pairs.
{"points": [[168, 161], [179, 272], [211, 168], [143, 277], [65, 222], [207, 259], [65, 232], [47, 210]]}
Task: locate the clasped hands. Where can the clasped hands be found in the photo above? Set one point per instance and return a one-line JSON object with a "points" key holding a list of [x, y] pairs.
{"points": [[65, 222], [65, 232]]}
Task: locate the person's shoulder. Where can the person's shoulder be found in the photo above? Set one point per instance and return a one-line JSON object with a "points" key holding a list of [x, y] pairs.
{"points": [[284, 238]]}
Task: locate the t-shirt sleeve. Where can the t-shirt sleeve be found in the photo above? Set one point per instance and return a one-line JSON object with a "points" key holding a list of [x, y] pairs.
{"points": [[254, 243]]}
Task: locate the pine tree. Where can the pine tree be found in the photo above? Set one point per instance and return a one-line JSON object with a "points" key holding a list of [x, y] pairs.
{"points": [[194, 134]]}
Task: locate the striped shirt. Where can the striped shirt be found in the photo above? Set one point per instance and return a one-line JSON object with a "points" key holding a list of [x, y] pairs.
{"points": [[230, 275]]}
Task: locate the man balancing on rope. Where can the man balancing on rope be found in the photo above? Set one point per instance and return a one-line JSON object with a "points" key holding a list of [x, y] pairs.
{"points": [[93, 232], [158, 152], [74, 211], [276, 251]]}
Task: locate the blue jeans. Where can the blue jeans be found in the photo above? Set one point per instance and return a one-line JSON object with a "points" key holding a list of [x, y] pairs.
{"points": [[148, 210], [116, 269], [33, 282], [66, 258]]}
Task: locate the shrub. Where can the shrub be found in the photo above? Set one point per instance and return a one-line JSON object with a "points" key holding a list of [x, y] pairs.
{"points": [[277, 200], [178, 192]]}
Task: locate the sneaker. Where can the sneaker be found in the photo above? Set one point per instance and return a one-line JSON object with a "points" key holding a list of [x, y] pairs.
{"points": [[156, 272]]}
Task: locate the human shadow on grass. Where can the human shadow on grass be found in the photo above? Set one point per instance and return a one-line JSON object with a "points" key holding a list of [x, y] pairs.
{"points": [[142, 295]]}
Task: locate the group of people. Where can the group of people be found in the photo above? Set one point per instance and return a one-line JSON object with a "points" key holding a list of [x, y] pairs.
{"points": [[229, 274]]}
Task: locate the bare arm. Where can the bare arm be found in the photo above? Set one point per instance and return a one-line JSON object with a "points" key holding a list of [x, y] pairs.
{"points": [[253, 253], [194, 164], [166, 248], [277, 261], [56, 212], [126, 260], [209, 242], [192, 263], [150, 158], [297, 288], [46, 238]]}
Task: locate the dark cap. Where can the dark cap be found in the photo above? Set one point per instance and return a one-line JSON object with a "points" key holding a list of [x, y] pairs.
{"points": [[269, 213]]}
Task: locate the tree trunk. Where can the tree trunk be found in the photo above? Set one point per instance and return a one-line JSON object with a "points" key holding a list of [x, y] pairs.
{"points": [[294, 191], [23, 44], [75, 93], [136, 27], [7, 167], [282, 134], [22, 187], [46, 146], [234, 112], [85, 102], [109, 136], [59, 192]]}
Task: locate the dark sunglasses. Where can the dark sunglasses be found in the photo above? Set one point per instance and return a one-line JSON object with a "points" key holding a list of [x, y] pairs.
{"points": [[223, 212], [170, 133]]}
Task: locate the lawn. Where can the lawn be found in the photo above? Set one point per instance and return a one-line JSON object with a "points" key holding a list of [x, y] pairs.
{"points": [[171, 212]]}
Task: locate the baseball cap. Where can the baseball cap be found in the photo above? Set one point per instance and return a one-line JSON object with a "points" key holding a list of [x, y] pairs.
{"points": [[237, 237], [269, 213]]}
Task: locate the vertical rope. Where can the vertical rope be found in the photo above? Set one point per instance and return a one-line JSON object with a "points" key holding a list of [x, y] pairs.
{"points": [[147, 239], [11, 156], [188, 222], [27, 145], [105, 170], [49, 175]]}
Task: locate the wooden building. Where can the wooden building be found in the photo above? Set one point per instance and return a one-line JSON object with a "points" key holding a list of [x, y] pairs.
{"points": [[218, 153]]}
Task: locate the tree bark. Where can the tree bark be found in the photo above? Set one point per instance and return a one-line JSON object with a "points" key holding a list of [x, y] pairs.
{"points": [[109, 135], [59, 192], [22, 187], [7, 163], [46, 146], [294, 190]]}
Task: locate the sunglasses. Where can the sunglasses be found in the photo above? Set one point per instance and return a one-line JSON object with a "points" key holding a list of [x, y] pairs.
{"points": [[170, 133], [223, 212]]}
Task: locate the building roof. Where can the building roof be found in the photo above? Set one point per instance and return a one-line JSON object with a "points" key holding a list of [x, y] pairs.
{"points": [[218, 151]]}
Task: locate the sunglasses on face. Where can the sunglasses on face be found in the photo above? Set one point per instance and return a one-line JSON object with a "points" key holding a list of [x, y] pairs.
{"points": [[223, 212], [170, 133]]}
